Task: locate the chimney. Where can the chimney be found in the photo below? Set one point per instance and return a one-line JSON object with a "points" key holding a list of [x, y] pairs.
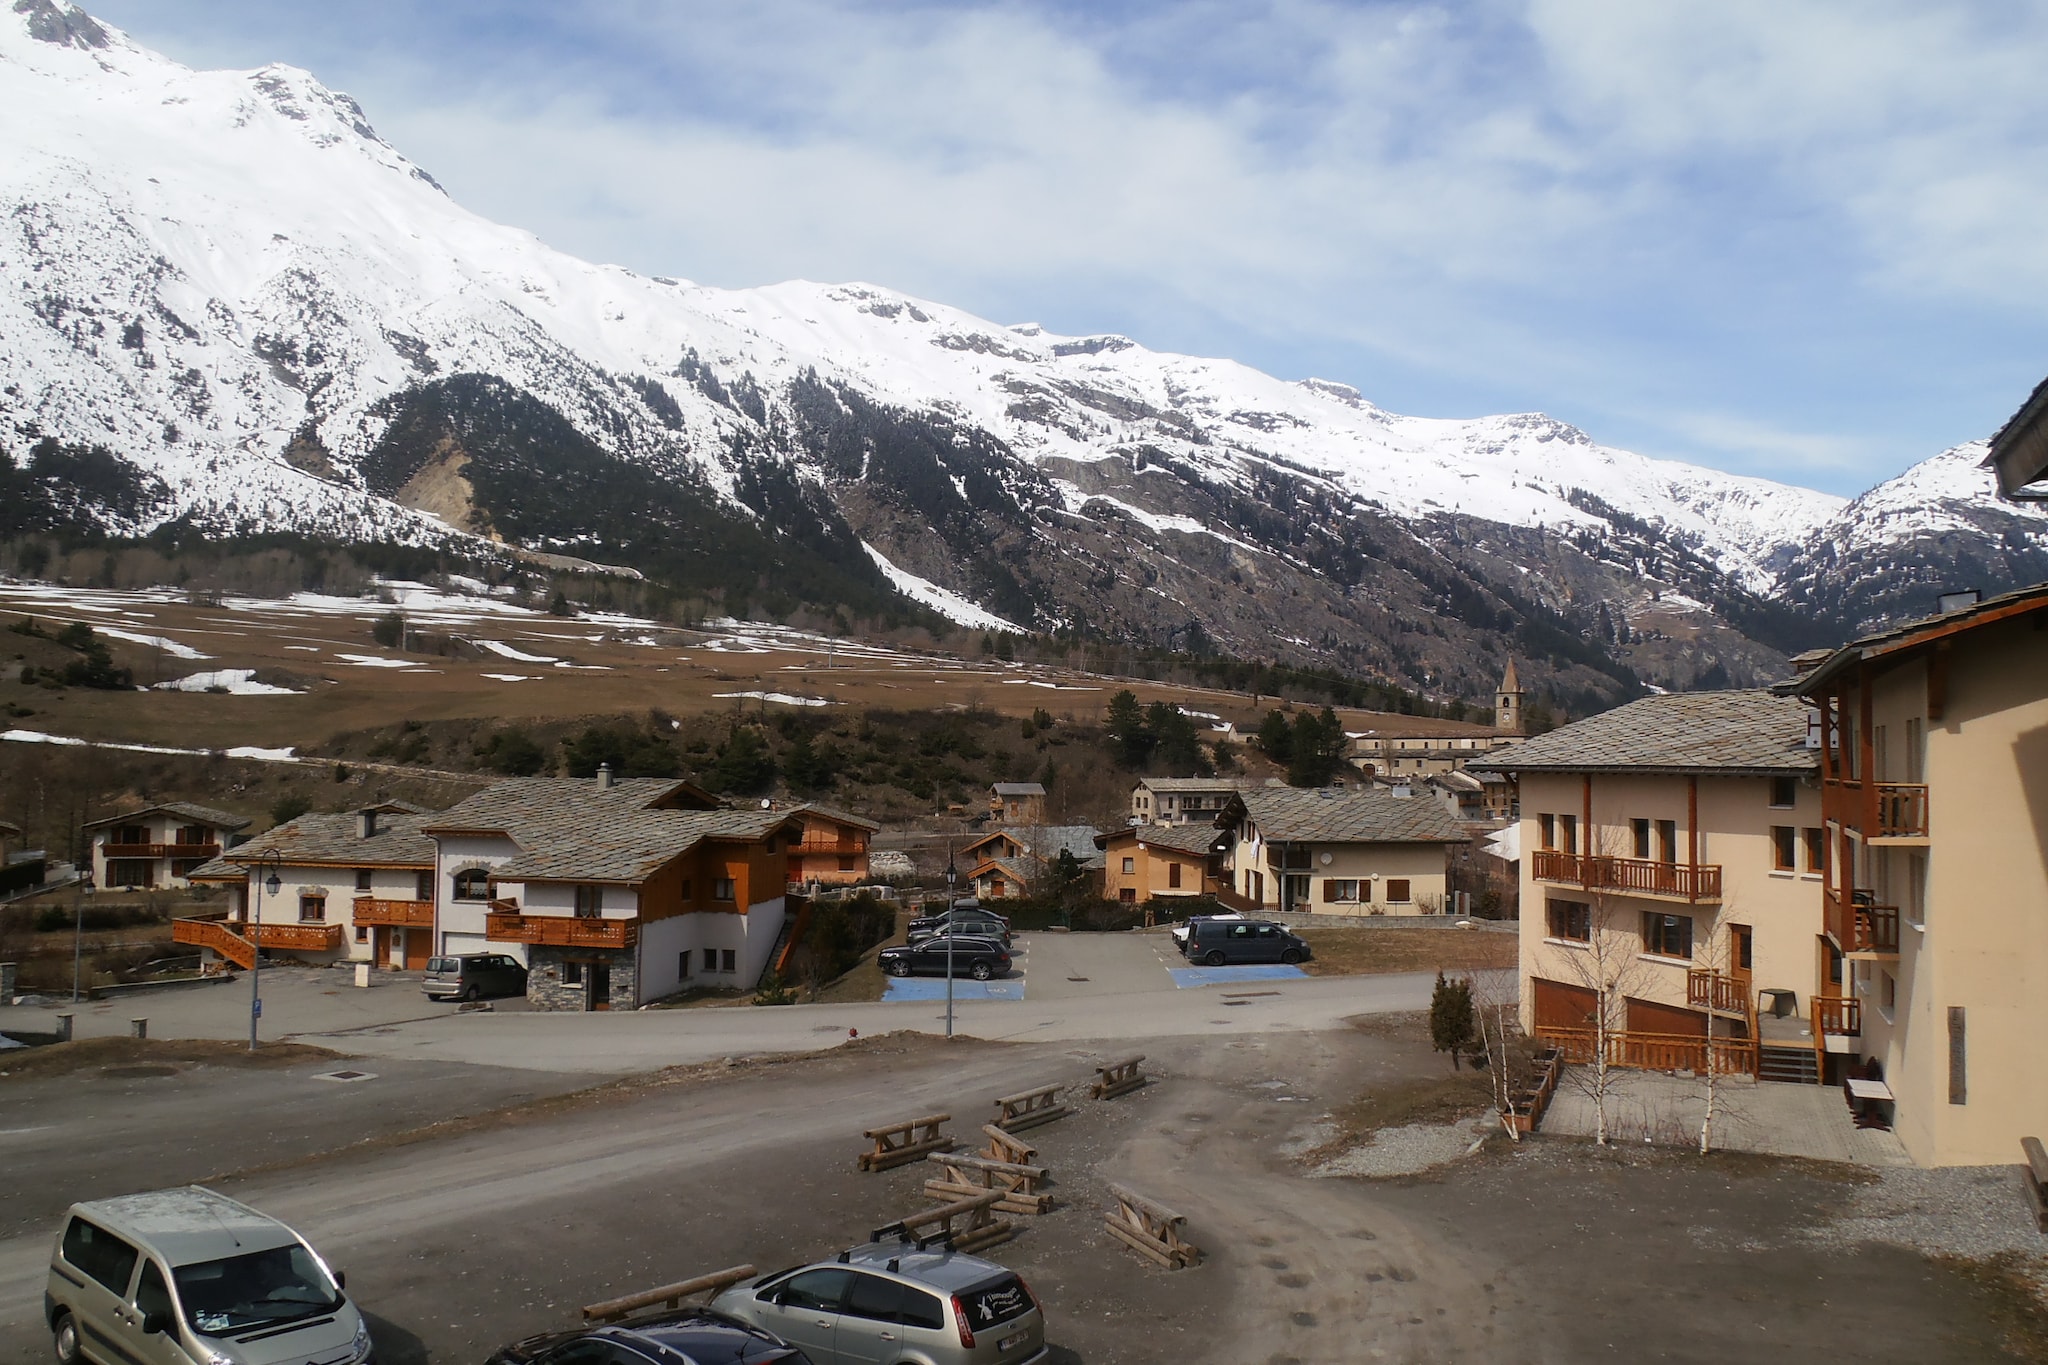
{"points": [[1957, 601], [366, 822], [1402, 791], [604, 777]]}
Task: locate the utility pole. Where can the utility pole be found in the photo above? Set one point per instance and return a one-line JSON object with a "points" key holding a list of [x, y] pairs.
{"points": [[79, 888], [271, 862]]}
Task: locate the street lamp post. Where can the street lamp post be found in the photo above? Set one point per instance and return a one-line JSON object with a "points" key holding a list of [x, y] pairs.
{"points": [[78, 930], [271, 862], [952, 879]]}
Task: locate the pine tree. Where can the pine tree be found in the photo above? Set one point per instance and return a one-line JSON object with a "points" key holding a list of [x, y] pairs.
{"points": [[1452, 1027]]}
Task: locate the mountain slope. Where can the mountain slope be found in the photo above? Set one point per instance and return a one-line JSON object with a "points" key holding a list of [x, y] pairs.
{"points": [[232, 284]]}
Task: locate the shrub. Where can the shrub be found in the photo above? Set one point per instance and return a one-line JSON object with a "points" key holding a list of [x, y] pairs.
{"points": [[388, 630], [290, 806]]}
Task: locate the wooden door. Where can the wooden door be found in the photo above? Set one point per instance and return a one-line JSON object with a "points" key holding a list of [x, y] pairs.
{"points": [[1740, 954]]}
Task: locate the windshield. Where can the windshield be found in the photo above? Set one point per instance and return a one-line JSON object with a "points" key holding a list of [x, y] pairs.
{"points": [[255, 1289]]}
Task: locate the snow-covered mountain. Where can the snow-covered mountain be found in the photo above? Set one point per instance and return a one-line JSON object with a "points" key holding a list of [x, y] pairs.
{"points": [[231, 283]]}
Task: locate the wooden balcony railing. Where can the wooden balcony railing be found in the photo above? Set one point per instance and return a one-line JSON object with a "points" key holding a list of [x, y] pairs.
{"points": [[562, 931], [1837, 1014], [408, 914], [1877, 929], [214, 934], [1709, 990], [1901, 811], [112, 850], [828, 848], [1630, 876], [230, 938], [1654, 1051]]}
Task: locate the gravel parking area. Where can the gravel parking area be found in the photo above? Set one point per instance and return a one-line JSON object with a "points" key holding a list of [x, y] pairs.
{"points": [[1969, 1211]]}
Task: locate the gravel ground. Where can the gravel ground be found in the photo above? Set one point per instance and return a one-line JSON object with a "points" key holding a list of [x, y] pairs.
{"points": [[1408, 1150], [1969, 1211]]}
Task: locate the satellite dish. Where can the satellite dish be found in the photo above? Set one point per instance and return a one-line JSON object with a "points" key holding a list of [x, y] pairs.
{"points": [[1326, 860]]}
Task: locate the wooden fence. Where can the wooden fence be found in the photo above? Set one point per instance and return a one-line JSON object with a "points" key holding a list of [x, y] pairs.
{"points": [[1150, 1229], [1118, 1078], [668, 1296], [1654, 1051], [899, 1144], [969, 1177], [965, 1225], [1029, 1108]]}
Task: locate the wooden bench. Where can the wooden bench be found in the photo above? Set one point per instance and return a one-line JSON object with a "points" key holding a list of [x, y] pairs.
{"points": [[1029, 1108], [964, 1225], [2036, 1171], [1118, 1078], [899, 1144], [1003, 1147], [668, 1296], [967, 1177], [1150, 1229]]}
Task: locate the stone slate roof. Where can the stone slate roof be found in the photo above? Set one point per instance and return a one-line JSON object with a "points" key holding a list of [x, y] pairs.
{"points": [[328, 838], [1019, 789], [1198, 784], [1197, 839], [837, 816], [1743, 732], [568, 829], [1330, 815], [203, 815]]}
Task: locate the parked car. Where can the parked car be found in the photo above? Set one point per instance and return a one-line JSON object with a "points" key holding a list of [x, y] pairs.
{"points": [[189, 1274], [1180, 931], [960, 922], [473, 976], [1217, 942], [701, 1336], [978, 957], [889, 1301]]}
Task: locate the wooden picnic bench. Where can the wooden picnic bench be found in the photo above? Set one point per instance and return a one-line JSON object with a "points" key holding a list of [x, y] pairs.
{"points": [[1118, 1078], [966, 1177], [1150, 1229], [899, 1144], [668, 1296], [1029, 1108], [964, 1225], [1003, 1147]]}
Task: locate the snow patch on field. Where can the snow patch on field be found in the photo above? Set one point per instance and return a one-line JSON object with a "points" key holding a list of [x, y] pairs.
{"points": [[240, 682], [784, 698], [375, 661]]}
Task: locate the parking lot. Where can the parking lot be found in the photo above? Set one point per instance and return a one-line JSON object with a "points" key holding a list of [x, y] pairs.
{"points": [[467, 1234]]}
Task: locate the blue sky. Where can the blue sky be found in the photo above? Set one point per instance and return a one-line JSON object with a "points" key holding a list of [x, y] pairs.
{"points": [[1778, 238]]}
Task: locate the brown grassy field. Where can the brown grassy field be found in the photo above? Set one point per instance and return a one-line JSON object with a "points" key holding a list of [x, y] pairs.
{"points": [[1345, 951]]}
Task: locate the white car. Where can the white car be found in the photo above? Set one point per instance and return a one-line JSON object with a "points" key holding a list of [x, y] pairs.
{"points": [[1180, 931]]}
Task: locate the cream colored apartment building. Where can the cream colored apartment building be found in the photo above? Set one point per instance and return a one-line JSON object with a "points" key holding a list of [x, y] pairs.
{"points": [[1332, 851], [1673, 856], [1936, 776]]}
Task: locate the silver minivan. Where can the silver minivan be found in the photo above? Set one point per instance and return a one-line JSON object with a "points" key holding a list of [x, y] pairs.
{"points": [[191, 1277]]}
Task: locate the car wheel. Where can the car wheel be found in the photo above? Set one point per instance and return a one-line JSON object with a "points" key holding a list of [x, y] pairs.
{"points": [[981, 971], [1214, 959], [899, 968], [473, 993], [1291, 956], [65, 1336]]}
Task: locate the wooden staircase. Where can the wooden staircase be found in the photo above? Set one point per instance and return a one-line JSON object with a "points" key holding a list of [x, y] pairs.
{"points": [[215, 934]]}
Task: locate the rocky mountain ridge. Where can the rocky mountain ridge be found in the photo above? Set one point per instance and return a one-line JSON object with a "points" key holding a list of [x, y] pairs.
{"points": [[271, 319]]}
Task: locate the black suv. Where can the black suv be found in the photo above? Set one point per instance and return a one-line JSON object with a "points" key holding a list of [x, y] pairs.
{"points": [[981, 958], [984, 923], [1228, 942], [693, 1336]]}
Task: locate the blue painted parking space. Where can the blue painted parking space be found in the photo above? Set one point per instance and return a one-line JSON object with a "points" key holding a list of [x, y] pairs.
{"points": [[1184, 977], [934, 988]]}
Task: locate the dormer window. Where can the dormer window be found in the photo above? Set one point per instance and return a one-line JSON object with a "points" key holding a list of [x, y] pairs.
{"points": [[473, 884]]}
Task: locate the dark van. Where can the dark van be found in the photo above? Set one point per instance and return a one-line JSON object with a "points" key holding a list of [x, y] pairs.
{"points": [[1231, 942]]}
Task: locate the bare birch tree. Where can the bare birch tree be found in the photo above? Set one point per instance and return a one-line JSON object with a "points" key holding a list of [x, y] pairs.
{"points": [[1607, 963], [1498, 1017]]}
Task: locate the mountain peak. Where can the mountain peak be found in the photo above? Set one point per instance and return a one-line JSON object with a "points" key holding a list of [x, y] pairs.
{"points": [[62, 25]]}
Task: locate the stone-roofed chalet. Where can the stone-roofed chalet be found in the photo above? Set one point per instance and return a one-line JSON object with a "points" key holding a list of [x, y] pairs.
{"points": [[158, 845], [1150, 862], [1333, 851], [352, 886], [1017, 803], [833, 850], [613, 892], [1683, 832], [1181, 800], [1010, 861]]}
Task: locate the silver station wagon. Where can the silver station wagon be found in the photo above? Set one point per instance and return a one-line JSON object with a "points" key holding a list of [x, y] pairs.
{"points": [[189, 1275], [888, 1303]]}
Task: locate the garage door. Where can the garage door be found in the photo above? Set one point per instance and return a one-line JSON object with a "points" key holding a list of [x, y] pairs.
{"points": [[455, 945], [1562, 1006], [1648, 1016]]}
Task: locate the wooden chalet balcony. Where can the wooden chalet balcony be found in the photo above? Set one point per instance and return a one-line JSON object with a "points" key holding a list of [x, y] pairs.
{"points": [[1837, 1014], [1872, 930], [230, 938], [1654, 1051], [160, 850], [405, 914], [1630, 876], [561, 931], [1710, 990], [1901, 811], [828, 847]]}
